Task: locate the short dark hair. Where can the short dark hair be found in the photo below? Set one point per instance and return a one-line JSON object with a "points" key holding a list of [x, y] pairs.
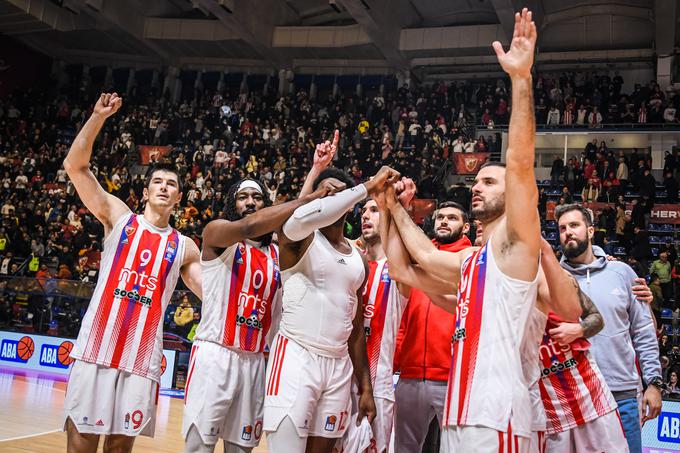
{"points": [[563, 209], [492, 164], [333, 172], [452, 204], [161, 166]]}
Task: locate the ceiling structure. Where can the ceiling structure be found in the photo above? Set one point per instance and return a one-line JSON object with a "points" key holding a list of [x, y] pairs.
{"points": [[428, 38]]}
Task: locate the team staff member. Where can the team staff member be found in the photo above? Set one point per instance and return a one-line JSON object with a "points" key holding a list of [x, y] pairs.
{"points": [[628, 328], [423, 354]]}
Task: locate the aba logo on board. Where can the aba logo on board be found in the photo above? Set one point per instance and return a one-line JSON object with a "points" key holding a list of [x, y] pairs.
{"points": [[57, 356], [17, 350]]}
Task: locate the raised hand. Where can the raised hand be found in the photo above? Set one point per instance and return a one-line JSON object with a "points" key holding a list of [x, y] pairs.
{"points": [[324, 153], [107, 104], [517, 61], [385, 175], [405, 191]]}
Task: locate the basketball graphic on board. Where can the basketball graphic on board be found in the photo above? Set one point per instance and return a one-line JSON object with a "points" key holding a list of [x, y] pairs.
{"points": [[25, 348], [64, 353], [164, 364]]}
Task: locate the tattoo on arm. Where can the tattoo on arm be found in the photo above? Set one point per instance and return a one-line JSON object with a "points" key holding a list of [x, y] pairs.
{"points": [[591, 319]]}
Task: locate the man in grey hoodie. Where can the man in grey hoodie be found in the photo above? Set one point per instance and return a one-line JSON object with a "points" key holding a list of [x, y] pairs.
{"points": [[628, 332]]}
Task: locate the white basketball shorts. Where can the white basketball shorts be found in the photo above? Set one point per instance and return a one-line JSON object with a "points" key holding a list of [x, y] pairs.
{"points": [[313, 390], [103, 400], [224, 395]]}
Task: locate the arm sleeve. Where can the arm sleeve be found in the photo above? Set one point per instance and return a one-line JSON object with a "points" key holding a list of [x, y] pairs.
{"points": [[321, 212], [643, 335]]}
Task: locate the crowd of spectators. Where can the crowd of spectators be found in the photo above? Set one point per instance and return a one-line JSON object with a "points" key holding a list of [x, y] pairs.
{"points": [[578, 99], [216, 138]]}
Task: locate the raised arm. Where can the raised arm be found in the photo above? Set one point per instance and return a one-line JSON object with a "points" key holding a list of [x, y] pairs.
{"points": [[220, 234], [563, 297], [522, 230], [400, 268], [191, 269], [323, 156], [106, 207], [442, 265]]}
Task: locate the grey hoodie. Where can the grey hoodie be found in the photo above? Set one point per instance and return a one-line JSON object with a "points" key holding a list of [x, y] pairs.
{"points": [[628, 328]]}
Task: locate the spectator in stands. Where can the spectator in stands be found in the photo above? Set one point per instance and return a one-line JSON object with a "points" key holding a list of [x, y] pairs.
{"points": [[642, 249], [581, 115], [662, 269], [595, 118], [556, 171], [670, 184], [590, 193], [622, 172], [184, 316], [553, 117], [672, 390], [659, 299], [194, 326]]}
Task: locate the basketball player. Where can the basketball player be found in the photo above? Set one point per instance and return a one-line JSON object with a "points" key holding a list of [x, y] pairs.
{"points": [[321, 336], [242, 289], [113, 386], [488, 403], [384, 301], [424, 340]]}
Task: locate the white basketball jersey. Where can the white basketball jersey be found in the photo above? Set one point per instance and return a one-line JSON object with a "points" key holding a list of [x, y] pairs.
{"points": [[320, 297], [486, 384], [383, 307], [533, 335], [241, 296], [123, 325]]}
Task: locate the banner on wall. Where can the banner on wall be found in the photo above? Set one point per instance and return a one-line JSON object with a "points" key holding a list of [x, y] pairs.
{"points": [[661, 213], [52, 355], [149, 153], [469, 163], [662, 435]]}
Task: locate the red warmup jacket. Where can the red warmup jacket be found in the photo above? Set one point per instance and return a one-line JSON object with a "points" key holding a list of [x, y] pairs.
{"points": [[424, 341]]}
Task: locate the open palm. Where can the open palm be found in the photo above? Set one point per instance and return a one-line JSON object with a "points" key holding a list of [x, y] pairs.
{"points": [[517, 61]]}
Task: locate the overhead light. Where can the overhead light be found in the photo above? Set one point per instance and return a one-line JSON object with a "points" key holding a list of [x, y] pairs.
{"points": [[334, 5], [227, 5]]}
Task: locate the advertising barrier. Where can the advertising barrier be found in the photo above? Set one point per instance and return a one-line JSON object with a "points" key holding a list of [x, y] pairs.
{"points": [[50, 355], [662, 435]]}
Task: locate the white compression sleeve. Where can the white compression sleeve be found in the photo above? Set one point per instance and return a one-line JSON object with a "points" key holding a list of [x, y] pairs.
{"points": [[322, 212]]}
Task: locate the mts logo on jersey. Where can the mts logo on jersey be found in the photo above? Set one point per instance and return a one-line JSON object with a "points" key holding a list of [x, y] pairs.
{"points": [[668, 427]]}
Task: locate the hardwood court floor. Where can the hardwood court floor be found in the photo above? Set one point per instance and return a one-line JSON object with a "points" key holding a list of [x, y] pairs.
{"points": [[31, 411]]}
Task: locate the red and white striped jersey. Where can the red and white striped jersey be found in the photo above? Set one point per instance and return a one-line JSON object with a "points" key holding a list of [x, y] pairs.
{"points": [[123, 325], [533, 335], [486, 385], [572, 387], [383, 308], [241, 292]]}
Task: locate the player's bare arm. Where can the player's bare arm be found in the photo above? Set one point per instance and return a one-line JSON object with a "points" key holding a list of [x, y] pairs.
{"points": [[521, 232], [400, 268], [440, 264], [105, 207], [356, 345], [220, 234], [323, 157], [191, 268], [557, 291], [297, 232]]}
